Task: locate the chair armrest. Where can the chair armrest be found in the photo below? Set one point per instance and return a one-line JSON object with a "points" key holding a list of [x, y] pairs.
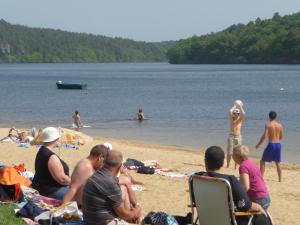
{"points": [[251, 213]]}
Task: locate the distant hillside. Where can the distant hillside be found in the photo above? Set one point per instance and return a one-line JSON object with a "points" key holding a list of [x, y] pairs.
{"points": [[270, 41], [21, 44]]}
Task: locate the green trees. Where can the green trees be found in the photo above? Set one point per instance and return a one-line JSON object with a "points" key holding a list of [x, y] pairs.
{"points": [[275, 40], [20, 44]]}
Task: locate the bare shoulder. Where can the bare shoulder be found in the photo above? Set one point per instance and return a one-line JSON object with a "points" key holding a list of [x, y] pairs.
{"points": [[83, 164], [82, 170]]}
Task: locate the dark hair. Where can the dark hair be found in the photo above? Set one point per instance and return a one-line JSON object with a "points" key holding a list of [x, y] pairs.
{"points": [[98, 150], [114, 159], [214, 158], [140, 110], [272, 115], [76, 112]]}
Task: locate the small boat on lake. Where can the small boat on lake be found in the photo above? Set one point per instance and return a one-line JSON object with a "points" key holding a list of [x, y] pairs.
{"points": [[61, 85]]}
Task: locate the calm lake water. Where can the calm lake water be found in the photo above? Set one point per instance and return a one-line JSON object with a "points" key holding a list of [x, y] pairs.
{"points": [[186, 105]]}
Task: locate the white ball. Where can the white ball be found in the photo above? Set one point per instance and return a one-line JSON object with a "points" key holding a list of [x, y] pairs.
{"points": [[238, 102]]}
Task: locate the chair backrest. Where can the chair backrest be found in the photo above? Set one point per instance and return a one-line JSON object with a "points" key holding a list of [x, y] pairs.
{"points": [[213, 200]]}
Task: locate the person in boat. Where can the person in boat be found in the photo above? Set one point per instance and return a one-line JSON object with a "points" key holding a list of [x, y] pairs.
{"points": [[76, 120], [140, 115]]}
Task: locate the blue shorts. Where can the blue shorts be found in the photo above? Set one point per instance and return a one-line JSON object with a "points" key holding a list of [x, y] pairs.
{"points": [[60, 193], [272, 153]]}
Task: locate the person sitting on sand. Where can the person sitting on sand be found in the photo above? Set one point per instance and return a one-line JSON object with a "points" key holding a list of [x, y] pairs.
{"points": [[83, 170], [51, 177], [214, 161], [250, 177], [140, 115], [16, 136], [76, 120], [102, 202], [86, 168]]}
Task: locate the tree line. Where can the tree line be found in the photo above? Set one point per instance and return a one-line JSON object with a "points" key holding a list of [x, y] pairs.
{"points": [[270, 41], [21, 44]]}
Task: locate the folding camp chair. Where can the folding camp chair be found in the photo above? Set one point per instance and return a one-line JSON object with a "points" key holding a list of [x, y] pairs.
{"points": [[212, 198]]}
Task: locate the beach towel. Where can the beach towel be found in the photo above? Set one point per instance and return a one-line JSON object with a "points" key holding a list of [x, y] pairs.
{"points": [[69, 137], [172, 174]]}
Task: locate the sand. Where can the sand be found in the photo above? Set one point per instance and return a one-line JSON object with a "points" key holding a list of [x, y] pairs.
{"points": [[171, 194]]}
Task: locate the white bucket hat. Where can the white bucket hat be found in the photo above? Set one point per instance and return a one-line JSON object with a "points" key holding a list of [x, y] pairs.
{"points": [[50, 134], [108, 145]]}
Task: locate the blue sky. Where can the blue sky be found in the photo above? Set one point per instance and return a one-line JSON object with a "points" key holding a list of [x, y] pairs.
{"points": [[152, 20]]}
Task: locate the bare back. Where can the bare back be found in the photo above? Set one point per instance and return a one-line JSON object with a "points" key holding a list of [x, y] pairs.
{"points": [[274, 131], [83, 170]]}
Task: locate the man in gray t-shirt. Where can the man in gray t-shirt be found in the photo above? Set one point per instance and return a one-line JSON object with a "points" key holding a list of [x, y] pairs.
{"points": [[102, 196]]}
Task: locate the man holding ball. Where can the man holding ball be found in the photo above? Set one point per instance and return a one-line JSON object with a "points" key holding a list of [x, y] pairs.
{"points": [[236, 118]]}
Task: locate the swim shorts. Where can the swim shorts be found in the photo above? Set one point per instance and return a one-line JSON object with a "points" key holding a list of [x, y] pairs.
{"points": [[272, 153], [233, 141]]}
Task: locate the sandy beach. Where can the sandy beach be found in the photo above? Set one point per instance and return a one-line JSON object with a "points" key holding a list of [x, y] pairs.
{"points": [[165, 193]]}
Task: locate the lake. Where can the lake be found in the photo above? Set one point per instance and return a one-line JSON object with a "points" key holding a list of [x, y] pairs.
{"points": [[185, 105]]}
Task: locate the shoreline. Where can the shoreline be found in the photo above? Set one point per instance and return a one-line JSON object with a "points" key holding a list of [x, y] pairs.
{"points": [[172, 192]]}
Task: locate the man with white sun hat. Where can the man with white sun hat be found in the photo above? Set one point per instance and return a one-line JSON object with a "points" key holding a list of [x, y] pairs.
{"points": [[236, 118]]}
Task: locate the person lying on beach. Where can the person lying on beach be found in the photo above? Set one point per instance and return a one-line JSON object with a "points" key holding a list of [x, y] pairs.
{"points": [[102, 201], [51, 177], [214, 161], [16, 136], [250, 177]]}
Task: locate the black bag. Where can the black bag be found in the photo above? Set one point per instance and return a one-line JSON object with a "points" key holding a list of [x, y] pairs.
{"points": [[146, 170], [133, 162]]}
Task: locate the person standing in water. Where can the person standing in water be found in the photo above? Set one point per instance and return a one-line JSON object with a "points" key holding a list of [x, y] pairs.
{"points": [[236, 118], [76, 120], [274, 132], [140, 115]]}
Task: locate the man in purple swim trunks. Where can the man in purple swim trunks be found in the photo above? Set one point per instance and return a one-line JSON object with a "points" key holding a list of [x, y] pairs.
{"points": [[274, 132]]}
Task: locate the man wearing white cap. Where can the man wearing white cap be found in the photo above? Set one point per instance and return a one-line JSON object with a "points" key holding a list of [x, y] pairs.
{"points": [[236, 117]]}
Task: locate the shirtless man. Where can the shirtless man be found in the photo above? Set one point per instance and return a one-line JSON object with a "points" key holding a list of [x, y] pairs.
{"points": [[83, 170], [236, 117], [274, 132], [86, 168], [77, 120]]}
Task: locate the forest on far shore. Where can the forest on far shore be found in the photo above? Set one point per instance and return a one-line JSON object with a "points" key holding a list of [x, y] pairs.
{"points": [[270, 41], [21, 44]]}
